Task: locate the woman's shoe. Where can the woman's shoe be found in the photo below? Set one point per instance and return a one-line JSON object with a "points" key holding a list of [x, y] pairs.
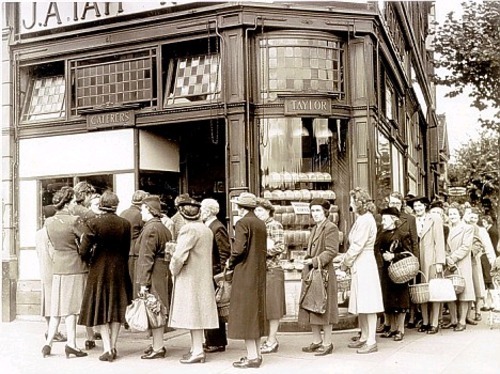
{"points": [[432, 330], [246, 363], [410, 325], [324, 350], [148, 350], [269, 347], [367, 349], [388, 334], [459, 327], [72, 351], [450, 325], [356, 338], [89, 344], [114, 353], [478, 317], [107, 356], [398, 336], [357, 344], [193, 359], [469, 321], [423, 328], [383, 328], [161, 353], [311, 347], [46, 350]]}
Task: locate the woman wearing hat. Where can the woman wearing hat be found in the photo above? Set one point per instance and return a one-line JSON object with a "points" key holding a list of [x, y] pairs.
{"points": [[391, 242], [106, 244], [193, 295], [366, 294], [152, 269], [430, 231], [275, 275], [323, 246], [247, 310]]}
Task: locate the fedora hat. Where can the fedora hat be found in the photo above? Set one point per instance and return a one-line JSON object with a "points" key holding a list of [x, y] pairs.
{"points": [[245, 200], [424, 200], [264, 203]]}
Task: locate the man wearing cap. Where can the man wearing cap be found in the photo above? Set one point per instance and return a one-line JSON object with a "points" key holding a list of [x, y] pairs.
{"points": [[133, 215], [177, 218], [247, 314], [432, 255], [216, 340]]}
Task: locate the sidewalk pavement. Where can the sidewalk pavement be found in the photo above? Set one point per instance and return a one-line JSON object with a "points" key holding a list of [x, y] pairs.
{"points": [[475, 350]]}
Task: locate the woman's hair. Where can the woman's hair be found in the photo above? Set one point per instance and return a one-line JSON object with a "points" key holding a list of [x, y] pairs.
{"points": [[363, 201], [456, 206], [109, 201], [82, 191], [65, 196]]}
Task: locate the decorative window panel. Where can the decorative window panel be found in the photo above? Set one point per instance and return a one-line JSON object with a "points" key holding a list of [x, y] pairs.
{"points": [[113, 81], [46, 99], [300, 65], [195, 78]]}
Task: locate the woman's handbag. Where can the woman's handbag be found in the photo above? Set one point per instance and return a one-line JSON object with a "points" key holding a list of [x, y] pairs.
{"points": [[405, 269], [441, 290], [136, 315], [223, 291], [155, 311], [314, 297]]}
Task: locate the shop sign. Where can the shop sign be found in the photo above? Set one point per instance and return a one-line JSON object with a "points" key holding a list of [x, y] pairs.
{"points": [[301, 208], [457, 191], [124, 118], [38, 16], [308, 105]]}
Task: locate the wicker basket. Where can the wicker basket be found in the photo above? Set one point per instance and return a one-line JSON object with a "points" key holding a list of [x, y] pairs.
{"points": [[344, 285], [458, 281], [405, 269], [419, 292], [223, 311]]}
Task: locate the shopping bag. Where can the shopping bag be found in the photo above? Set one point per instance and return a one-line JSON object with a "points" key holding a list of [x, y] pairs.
{"points": [[155, 310], [314, 297], [441, 290], [136, 315], [223, 292]]}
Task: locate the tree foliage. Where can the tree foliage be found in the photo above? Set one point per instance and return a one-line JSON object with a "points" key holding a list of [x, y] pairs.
{"points": [[476, 168], [469, 49]]}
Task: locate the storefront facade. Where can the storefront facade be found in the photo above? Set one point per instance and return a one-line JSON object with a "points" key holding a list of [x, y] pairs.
{"points": [[289, 101]]}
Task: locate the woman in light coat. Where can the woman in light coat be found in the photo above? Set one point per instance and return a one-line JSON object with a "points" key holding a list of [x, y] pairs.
{"points": [[323, 246], [193, 300], [366, 292], [458, 256]]}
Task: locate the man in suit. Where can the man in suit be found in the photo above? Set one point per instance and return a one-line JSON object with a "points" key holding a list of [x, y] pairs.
{"points": [[133, 215], [216, 340]]}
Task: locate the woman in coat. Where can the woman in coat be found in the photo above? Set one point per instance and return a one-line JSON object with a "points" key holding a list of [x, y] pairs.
{"points": [[247, 312], [430, 230], [69, 275], [152, 269], [366, 294], [275, 276], [391, 242], [323, 246], [458, 258], [193, 298], [105, 245]]}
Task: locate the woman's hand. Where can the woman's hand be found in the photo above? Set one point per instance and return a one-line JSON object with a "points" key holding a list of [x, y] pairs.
{"points": [[388, 256], [439, 268], [308, 261]]}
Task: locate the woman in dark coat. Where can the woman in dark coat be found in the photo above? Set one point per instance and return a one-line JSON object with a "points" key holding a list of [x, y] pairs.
{"points": [[105, 246], [152, 268], [323, 246], [247, 314], [390, 243]]}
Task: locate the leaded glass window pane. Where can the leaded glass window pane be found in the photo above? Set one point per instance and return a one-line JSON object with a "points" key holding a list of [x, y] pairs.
{"points": [[47, 99]]}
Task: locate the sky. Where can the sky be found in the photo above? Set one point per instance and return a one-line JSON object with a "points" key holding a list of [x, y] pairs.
{"points": [[461, 118]]}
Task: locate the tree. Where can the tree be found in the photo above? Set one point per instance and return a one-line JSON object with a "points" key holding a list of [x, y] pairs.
{"points": [[475, 168], [469, 50]]}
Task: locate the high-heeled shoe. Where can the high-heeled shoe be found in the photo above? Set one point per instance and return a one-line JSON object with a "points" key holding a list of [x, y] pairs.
{"points": [[193, 359], [244, 363], [269, 347], [72, 351], [89, 344], [107, 356], [324, 350], [114, 353], [46, 350], [161, 353]]}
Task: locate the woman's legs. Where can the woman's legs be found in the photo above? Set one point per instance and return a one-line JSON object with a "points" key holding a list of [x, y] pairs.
{"points": [[371, 322], [252, 348], [435, 314], [196, 342], [363, 326], [274, 324], [327, 330], [463, 308], [452, 306], [399, 319], [70, 322], [425, 314], [52, 329], [157, 338], [106, 337], [115, 330], [316, 331]]}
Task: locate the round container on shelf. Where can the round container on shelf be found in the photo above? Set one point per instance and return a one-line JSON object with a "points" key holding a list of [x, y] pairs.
{"points": [[274, 180], [306, 194], [331, 195], [327, 177], [303, 178], [267, 194], [311, 176], [297, 196], [289, 195]]}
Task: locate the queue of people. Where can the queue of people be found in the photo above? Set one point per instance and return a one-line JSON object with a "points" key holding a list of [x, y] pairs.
{"points": [[94, 262]]}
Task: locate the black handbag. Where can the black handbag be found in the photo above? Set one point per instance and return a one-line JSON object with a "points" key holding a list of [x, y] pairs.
{"points": [[314, 297]]}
